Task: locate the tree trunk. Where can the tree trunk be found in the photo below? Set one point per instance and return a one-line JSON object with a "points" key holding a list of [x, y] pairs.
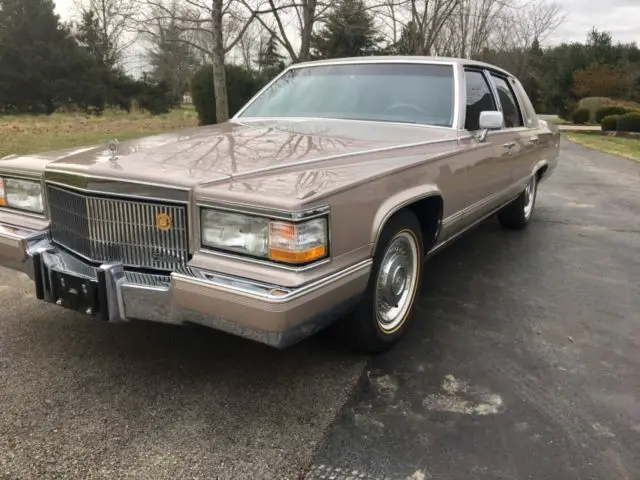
{"points": [[217, 59], [308, 18]]}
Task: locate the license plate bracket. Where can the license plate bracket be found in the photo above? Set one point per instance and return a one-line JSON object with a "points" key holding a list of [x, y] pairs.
{"points": [[76, 293]]}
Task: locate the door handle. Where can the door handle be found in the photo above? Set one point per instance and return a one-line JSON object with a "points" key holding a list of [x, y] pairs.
{"points": [[533, 140], [509, 146]]}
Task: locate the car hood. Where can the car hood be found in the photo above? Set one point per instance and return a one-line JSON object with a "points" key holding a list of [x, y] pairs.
{"points": [[234, 150]]}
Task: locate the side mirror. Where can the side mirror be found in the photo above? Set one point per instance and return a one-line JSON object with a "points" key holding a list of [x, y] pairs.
{"points": [[490, 120]]}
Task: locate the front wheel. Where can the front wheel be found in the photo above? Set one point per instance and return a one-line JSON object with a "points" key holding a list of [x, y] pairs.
{"points": [[518, 213], [382, 316]]}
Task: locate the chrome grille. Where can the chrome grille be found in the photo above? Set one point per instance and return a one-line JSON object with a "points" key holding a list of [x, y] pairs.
{"points": [[111, 229]]}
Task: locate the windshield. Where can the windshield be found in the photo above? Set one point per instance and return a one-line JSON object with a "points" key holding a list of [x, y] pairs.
{"points": [[389, 92]]}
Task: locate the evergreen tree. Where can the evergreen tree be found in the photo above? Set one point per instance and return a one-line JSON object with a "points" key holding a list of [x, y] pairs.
{"points": [[270, 61], [115, 87], [409, 42], [268, 56], [348, 32], [171, 59], [90, 36], [42, 66], [601, 49], [533, 75]]}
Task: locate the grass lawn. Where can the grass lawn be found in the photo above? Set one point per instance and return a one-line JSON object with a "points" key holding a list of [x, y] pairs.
{"points": [[560, 121], [22, 134], [624, 147]]}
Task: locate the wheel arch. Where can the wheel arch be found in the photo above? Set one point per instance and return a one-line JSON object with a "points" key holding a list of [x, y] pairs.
{"points": [[425, 201], [540, 169]]}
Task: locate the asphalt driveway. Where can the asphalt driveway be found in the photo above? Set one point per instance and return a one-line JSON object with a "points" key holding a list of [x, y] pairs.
{"points": [[522, 363], [84, 400]]}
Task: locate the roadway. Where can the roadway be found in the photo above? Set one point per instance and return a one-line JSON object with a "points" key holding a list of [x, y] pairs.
{"points": [[522, 363]]}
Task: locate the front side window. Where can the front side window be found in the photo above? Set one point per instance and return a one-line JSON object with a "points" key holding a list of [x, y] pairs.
{"points": [[479, 99], [390, 92], [512, 117]]}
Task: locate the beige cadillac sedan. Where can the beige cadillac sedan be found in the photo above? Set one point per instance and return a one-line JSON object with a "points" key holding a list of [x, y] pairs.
{"points": [[315, 205]]}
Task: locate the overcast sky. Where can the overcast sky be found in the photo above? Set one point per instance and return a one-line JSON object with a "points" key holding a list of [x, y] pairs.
{"points": [[620, 17]]}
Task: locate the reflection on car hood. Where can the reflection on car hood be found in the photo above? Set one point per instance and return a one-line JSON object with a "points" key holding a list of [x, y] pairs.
{"points": [[235, 149]]}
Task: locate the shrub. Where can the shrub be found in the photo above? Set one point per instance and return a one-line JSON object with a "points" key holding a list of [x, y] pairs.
{"points": [[566, 110], [242, 84], [629, 122], [593, 104], [580, 116], [610, 110], [155, 98], [202, 95], [122, 90], [610, 123]]}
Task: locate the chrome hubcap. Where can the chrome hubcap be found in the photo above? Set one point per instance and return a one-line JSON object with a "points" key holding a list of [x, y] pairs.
{"points": [[396, 282], [529, 197]]}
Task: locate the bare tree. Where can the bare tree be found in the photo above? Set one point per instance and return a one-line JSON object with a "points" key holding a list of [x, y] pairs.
{"points": [[429, 18], [466, 28], [525, 21], [469, 29], [518, 27], [169, 51], [303, 13], [113, 19], [251, 44], [388, 14], [215, 27], [419, 23]]}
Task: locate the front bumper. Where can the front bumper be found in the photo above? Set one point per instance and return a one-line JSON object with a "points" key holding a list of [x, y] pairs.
{"points": [[270, 314]]}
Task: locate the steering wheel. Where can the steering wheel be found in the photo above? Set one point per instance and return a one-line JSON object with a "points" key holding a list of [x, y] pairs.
{"points": [[405, 105]]}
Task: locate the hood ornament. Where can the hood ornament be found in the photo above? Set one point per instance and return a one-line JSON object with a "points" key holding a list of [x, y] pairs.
{"points": [[112, 145]]}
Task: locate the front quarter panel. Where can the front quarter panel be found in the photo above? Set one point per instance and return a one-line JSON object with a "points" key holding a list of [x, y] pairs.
{"points": [[359, 213]]}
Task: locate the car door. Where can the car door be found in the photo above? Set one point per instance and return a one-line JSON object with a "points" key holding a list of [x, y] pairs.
{"points": [[538, 139], [486, 171], [517, 137]]}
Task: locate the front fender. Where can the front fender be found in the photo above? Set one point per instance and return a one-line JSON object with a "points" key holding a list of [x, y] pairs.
{"points": [[396, 202]]}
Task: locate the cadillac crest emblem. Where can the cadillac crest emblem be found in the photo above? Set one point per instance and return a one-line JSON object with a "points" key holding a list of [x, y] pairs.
{"points": [[163, 222]]}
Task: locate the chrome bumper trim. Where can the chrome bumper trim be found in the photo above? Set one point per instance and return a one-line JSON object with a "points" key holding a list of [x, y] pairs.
{"points": [[21, 244], [140, 296], [269, 293]]}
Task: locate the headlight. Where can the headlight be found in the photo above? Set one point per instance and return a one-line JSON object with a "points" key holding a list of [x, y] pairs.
{"points": [[234, 232], [21, 194], [287, 242]]}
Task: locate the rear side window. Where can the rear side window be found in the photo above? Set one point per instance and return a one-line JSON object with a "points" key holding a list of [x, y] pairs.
{"points": [[510, 109], [529, 111], [479, 99]]}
